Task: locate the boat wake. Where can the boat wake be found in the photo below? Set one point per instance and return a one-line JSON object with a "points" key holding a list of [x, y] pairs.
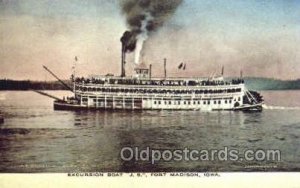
{"points": [[280, 107], [2, 97]]}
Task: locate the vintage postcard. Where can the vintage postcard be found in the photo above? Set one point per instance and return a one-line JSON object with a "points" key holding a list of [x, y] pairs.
{"points": [[149, 88]]}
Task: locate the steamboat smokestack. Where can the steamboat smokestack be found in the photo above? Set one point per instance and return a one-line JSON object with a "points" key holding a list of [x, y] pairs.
{"points": [[123, 60]]}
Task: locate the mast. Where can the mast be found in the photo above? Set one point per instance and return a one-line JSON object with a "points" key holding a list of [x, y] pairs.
{"points": [[222, 71], [74, 73], [150, 71], [63, 83], [165, 68]]}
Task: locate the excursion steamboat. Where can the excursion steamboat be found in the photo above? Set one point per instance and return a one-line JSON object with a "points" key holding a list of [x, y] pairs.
{"points": [[144, 92]]}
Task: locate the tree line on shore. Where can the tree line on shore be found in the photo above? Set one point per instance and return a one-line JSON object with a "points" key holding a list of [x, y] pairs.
{"points": [[7, 84]]}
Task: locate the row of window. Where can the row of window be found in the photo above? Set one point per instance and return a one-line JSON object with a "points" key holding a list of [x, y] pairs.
{"points": [[163, 91], [164, 101], [208, 102]]}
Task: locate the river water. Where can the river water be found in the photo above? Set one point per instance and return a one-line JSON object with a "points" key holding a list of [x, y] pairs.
{"points": [[35, 138]]}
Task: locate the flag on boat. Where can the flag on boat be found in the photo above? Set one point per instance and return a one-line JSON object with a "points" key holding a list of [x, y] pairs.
{"points": [[180, 65]]}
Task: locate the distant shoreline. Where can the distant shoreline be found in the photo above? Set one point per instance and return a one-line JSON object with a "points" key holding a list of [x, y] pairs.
{"points": [[252, 83], [256, 83], [8, 84]]}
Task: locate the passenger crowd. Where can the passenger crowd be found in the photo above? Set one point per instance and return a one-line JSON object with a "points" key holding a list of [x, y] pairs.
{"points": [[162, 82]]}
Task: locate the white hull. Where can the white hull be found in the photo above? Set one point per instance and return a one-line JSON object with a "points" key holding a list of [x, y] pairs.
{"points": [[62, 105]]}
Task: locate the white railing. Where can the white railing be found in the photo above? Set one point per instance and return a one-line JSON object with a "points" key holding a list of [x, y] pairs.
{"points": [[148, 95]]}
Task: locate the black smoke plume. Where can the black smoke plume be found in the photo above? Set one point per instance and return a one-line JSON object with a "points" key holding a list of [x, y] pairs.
{"points": [[144, 17], [129, 41]]}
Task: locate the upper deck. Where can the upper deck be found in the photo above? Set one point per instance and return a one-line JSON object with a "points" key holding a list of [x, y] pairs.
{"points": [[136, 81]]}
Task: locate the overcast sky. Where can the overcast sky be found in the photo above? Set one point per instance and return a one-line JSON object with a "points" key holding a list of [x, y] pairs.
{"points": [[260, 37]]}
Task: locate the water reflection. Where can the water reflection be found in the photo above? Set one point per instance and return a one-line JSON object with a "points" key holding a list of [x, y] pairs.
{"points": [[159, 130]]}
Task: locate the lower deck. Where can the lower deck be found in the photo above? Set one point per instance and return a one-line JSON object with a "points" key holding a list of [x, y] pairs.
{"points": [[173, 103]]}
